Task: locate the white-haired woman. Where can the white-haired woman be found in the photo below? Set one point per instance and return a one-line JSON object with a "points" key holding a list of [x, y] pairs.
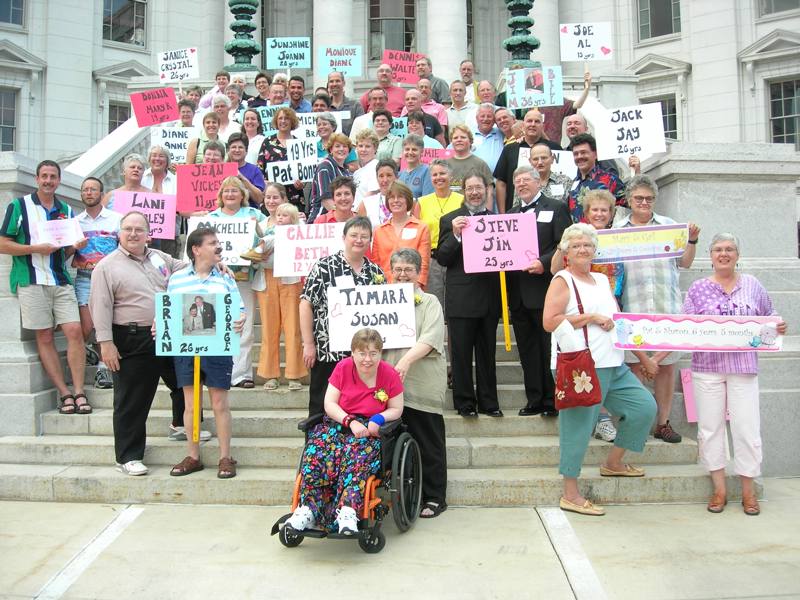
{"points": [[133, 167], [623, 394], [728, 380]]}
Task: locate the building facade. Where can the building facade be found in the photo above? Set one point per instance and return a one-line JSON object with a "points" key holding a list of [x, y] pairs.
{"points": [[724, 71]]}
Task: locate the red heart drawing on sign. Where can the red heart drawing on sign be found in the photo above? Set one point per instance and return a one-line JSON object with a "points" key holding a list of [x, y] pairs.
{"points": [[336, 311], [530, 255], [605, 50], [406, 331], [163, 76], [192, 50], [564, 29]]}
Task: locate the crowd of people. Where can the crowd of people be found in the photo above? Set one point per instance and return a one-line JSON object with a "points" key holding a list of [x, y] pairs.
{"points": [[404, 219]]}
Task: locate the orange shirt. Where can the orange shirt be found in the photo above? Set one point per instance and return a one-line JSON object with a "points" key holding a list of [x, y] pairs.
{"points": [[330, 217], [414, 235]]}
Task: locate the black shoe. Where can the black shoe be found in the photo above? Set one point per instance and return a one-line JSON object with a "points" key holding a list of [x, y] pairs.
{"points": [[492, 413], [528, 411], [550, 412], [467, 412]]}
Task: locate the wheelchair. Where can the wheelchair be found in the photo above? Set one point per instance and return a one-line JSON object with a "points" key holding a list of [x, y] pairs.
{"points": [[397, 487]]}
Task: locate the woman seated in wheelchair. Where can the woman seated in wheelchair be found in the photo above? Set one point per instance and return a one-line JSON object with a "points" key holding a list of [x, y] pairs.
{"points": [[343, 450]]}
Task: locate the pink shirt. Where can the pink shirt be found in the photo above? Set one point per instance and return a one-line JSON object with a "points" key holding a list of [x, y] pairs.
{"points": [[358, 399], [396, 102]]}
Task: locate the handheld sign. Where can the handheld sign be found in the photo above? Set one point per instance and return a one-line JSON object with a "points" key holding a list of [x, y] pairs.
{"points": [[59, 232], [631, 130], [197, 324], [641, 243], [399, 127], [178, 65], [298, 247], [174, 139], [198, 184], [529, 88], [697, 333], [302, 162], [429, 155], [236, 235], [387, 308], [267, 112], [288, 53], [154, 107], [307, 126], [500, 242], [585, 41], [404, 65], [158, 208], [344, 59]]}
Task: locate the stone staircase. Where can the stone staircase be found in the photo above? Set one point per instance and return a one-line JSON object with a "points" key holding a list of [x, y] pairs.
{"points": [[496, 462]]}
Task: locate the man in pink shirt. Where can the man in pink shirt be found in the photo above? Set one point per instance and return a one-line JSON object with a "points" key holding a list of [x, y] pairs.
{"points": [[427, 104], [395, 93]]}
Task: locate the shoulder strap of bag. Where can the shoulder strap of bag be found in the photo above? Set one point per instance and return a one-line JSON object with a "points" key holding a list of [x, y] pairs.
{"points": [[580, 308]]}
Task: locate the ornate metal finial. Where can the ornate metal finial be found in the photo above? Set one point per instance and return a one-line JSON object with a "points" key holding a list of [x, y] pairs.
{"points": [[522, 42], [242, 47]]}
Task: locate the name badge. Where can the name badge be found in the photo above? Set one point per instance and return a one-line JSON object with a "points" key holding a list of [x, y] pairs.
{"points": [[408, 233], [546, 216], [557, 189], [344, 281]]}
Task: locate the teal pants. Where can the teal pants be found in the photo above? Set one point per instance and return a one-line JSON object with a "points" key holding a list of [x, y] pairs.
{"points": [[625, 397]]}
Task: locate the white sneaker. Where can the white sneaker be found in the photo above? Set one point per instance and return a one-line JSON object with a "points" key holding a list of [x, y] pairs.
{"points": [[348, 520], [132, 467], [605, 430], [178, 434], [302, 518]]}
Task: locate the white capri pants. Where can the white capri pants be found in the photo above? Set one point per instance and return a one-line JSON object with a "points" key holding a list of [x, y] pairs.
{"points": [[243, 364], [712, 393]]}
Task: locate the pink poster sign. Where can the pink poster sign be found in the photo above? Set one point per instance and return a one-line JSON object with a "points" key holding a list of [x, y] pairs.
{"points": [[154, 107], [404, 65], [198, 185], [158, 208], [697, 333], [500, 242], [429, 155]]}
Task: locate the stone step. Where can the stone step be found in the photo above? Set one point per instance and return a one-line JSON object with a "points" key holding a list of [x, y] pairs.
{"points": [[462, 452], [273, 486], [283, 423]]}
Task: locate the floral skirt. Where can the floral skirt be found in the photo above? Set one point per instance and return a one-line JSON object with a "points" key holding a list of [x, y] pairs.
{"points": [[335, 469]]}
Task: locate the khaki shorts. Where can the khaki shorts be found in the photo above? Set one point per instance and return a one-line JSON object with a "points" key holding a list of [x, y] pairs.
{"points": [[46, 306], [670, 359]]}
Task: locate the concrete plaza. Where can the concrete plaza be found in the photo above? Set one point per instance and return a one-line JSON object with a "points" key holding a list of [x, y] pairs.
{"points": [[635, 552]]}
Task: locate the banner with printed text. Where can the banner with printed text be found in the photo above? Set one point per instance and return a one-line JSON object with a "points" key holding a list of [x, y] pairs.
{"points": [[641, 243], [701, 333]]}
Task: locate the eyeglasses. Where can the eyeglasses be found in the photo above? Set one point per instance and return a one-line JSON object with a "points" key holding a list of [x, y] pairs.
{"points": [[475, 188], [136, 230], [644, 199], [581, 246], [361, 355], [404, 270]]}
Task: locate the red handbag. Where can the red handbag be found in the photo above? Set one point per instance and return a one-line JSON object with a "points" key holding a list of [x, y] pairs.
{"points": [[576, 378]]}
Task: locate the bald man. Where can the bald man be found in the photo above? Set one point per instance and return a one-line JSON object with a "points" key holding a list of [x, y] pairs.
{"points": [[396, 94]]}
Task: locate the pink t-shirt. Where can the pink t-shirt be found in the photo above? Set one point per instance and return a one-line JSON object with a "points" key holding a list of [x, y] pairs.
{"points": [[358, 399]]}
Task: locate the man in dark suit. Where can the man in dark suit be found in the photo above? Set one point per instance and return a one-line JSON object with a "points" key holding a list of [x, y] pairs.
{"points": [[527, 289], [473, 307], [206, 310]]}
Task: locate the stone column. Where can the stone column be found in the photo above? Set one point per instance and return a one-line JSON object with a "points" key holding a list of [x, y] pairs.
{"points": [[546, 29], [447, 37], [333, 24]]}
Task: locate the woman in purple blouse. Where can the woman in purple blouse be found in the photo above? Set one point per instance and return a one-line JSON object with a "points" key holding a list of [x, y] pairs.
{"points": [[729, 379]]}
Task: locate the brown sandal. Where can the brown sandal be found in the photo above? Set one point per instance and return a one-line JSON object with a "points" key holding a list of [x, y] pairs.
{"points": [[227, 468], [717, 503], [187, 466], [750, 506], [67, 405], [82, 408]]}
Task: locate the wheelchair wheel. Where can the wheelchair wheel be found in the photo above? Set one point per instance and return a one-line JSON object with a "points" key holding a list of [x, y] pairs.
{"points": [[289, 537], [373, 542], [406, 482]]}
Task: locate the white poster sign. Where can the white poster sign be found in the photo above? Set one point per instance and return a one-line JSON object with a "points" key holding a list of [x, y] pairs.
{"points": [[631, 130], [236, 235], [586, 41], [178, 65], [300, 166]]}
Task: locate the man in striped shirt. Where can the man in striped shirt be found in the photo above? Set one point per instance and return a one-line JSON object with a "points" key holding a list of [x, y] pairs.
{"points": [[39, 278], [204, 277]]}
